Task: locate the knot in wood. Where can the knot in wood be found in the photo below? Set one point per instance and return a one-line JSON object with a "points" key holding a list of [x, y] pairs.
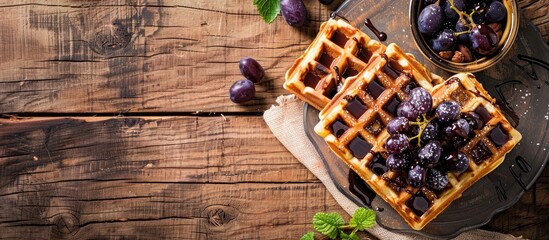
{"points": [[216, 217], [109, 38], [66, 224], [219, 216]]}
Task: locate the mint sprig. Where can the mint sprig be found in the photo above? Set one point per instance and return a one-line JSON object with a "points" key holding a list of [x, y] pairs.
{"points": [[308, 236], [268, 9], [363, 218], [328, 223], [333, 226]]}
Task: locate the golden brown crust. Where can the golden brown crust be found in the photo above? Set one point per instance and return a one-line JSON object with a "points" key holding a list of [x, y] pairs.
{"points": [[356, 43], [393, 71], [463, 88]]}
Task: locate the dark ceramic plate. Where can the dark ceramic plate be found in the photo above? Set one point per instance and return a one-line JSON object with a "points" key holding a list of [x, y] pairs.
{"points": [[518, 82]]}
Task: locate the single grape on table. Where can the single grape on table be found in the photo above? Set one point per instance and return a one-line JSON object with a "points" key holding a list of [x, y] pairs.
{"points": [[251, 69], [242, 91], [294, 12]]}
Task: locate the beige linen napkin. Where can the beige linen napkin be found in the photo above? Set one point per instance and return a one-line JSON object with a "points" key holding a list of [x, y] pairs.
{"points": [[286, 123]]}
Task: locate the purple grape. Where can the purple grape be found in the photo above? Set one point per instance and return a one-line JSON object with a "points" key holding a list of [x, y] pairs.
{"points": [[430, 132], [462, 27], [449, 13], [479, 18], [242, 91], [427, 2], [294, 12], [420, 100], [430, 19], [251, 69], [396, 162], [460, 4], [463, 164], [460, 128], [406, 110], [447, 111], [456, 162], [458, 142], [397, 143], [474, 121], [496, 12], [398, 125], [416, 176], [429, 155], [444, 41], [436, 179], [483, 39]]}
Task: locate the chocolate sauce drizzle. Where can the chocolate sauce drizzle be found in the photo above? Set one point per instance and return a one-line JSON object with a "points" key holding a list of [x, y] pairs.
{"points": [[504, 104], [524, 167], [380, 35], [358, 187], [531, 62], [335, 14]]}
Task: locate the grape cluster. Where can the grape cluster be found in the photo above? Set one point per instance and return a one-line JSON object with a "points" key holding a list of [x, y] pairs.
{"points": [[244, 90], [462, 30], [424, 142]]}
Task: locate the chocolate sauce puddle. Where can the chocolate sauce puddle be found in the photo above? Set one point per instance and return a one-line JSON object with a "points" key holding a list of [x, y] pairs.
{"points": [[358, 187]]}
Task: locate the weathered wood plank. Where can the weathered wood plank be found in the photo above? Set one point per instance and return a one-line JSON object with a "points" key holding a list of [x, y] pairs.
{"points": [[148, 55], [126, 177], [538, 12], [121, 209], [184, 149]]}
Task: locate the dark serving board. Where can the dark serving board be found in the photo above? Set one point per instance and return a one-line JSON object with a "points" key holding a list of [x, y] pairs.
{"points": [[518, 82]]}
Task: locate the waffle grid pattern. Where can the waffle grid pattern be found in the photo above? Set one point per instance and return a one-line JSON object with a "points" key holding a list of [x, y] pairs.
{"points": [[391, 186], [357, 84], [339, 52]]}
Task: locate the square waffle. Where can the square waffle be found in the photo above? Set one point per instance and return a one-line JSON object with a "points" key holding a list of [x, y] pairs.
{"points": [[353, 125], [339, 52]]}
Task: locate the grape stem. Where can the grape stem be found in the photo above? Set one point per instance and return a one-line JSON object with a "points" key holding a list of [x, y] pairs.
{"points": [[466, 18], [422, 125], [459, 33]]}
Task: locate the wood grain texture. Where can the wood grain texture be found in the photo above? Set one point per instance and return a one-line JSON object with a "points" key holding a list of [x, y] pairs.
{"points": [[81, 56], [190, 178], [181, 177], [186, 177], [152, 56], [183, 149], [537, 11]]}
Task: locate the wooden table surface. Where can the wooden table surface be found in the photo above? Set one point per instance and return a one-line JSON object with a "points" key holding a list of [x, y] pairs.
{"points": [[116, 124]]}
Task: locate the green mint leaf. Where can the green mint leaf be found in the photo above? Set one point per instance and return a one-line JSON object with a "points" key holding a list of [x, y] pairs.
{"points": [[268, 9], [363, 218], [353, 236], [308, 236], [328, 223], [344, 236]]}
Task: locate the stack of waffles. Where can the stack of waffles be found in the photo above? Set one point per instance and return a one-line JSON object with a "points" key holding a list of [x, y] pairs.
{"points": [[358, 83]]}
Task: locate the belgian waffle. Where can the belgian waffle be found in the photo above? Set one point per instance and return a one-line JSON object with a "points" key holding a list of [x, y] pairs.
{"points": [[353, 125], [339, 52]]}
